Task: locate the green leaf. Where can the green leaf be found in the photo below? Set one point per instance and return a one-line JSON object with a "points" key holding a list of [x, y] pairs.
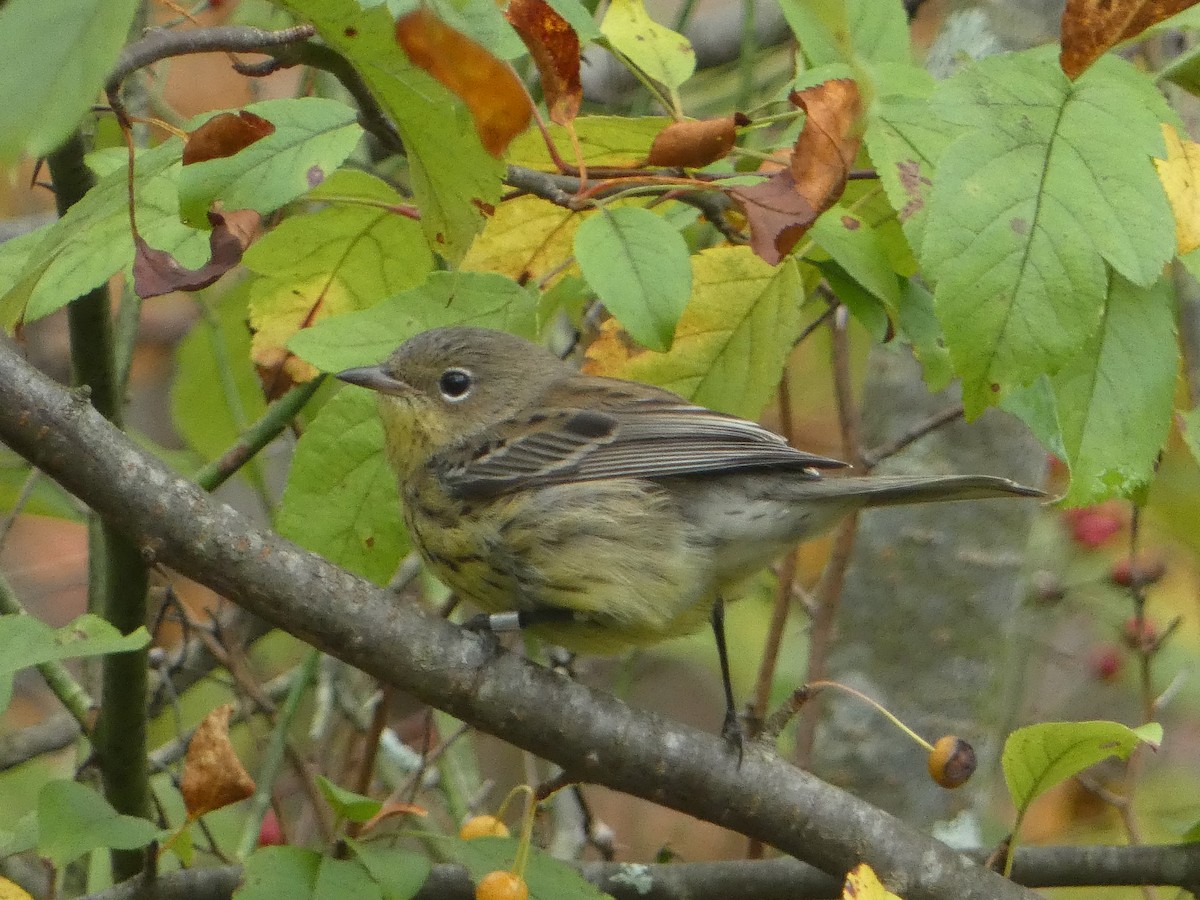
{"points": [[734, 337], [73, 819], [92, 241], [347, 804], [918, 322], [312, 137], [638, 266], [1037, 757], [578, 17], [28, 641], [1189, 427], [548, 878], [341, 498], [398, 873], [905, 141], [830, 31], [57, 55], [856, 247], [339, 879], [271, 873], [205, 415], [867, 309], [1028, 206], [1036, 407], [1114, 398], [661, 53], [453, 177], [446, 298], [23, 837], [347, 256]]}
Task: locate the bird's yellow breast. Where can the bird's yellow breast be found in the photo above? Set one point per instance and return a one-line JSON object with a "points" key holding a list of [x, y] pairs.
{"points": [[617, 553]]}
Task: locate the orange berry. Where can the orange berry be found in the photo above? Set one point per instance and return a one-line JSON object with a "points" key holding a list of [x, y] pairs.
{"points": [[951, 761], [482, 826], [502, 885]]}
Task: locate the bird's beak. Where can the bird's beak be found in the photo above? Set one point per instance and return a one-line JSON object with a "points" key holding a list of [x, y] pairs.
{"points": [[375, 378]]}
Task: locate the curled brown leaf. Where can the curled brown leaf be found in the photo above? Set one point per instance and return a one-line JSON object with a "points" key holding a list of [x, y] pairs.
{"points": [[224, 135], [213, 776], [694, 143]]}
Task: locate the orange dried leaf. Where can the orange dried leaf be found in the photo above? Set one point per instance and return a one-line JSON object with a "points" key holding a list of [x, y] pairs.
{"points": [[157, 272], [213, 776], [224, 135], [497, 100], [1090, 27], [828, 143], [554, 46], [694, 143]]}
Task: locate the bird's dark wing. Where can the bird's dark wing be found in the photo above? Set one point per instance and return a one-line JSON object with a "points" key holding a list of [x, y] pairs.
{"points": [[634, 437]]}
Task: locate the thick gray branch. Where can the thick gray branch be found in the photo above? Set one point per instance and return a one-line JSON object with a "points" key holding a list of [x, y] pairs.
{"points": [[592, 735]]}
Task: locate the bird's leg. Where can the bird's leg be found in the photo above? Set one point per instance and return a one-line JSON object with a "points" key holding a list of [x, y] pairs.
{"points": [[518, 620], [731, 730]]}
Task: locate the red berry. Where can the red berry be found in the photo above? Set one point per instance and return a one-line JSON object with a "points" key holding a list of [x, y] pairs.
{"points": [[270, 834], [1092, 526], [1106, 661], [1145, 570], [1141, 636]]}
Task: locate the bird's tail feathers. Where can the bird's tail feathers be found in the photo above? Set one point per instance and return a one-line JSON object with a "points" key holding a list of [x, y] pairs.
{"points": [[896, 490]]}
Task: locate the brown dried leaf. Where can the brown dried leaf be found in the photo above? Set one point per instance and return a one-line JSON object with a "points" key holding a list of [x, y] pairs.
{"points": [[1090, 27], [213, 776], [695, 143], [495, 96], [828, 143], [157, 272], [554, 46], [224, 135], [778, 215]]}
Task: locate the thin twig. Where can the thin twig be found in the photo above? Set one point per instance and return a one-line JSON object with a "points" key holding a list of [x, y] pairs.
{"points": [[873, 457]]}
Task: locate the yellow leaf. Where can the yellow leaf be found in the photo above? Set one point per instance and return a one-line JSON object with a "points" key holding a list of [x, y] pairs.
{"points": [[12, 891], [525, 239], [731, 342], [863, 884], [278, 309], [1180, 177]]}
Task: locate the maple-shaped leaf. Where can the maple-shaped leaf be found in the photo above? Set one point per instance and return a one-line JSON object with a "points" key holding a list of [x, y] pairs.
{"points": [[554, 46], [694, 143], [1090, 27], [157, 272], [498, 102], [224, 135]]}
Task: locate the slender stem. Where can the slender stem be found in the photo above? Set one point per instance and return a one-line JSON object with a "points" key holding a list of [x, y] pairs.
{"points": [[117, 573], [258, 435], [272, 760], [828, 594]]}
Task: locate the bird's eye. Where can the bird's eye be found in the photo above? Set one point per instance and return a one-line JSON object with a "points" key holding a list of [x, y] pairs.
{"points": [[455, 384]]}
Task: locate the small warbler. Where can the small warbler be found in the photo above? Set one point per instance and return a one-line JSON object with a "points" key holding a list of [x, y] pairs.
{"points": [[600, 513]]}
